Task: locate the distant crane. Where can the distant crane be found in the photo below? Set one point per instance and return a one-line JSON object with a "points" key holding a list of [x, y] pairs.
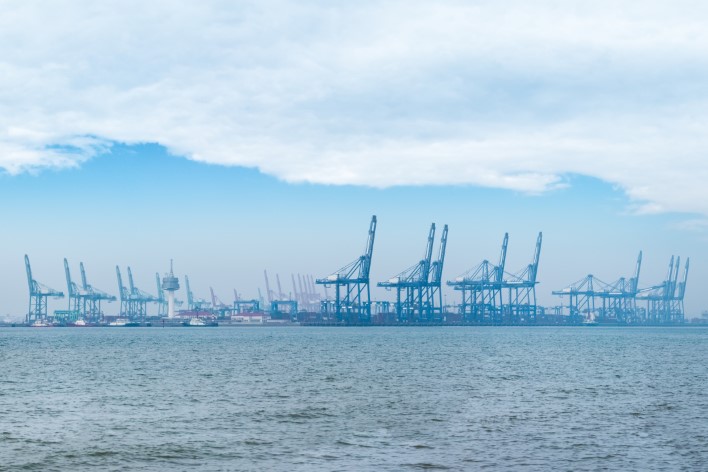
{"points": [[194, 304], [140, 300], [38, 296], [665, 300], [77, 295], [95, 297], [127, 304], [593, 300], [416, 305], [481, 289], [435, 278], [218, 306], [619, 299], [521, 287], [351, 284], [84, 300], [269, 292]]}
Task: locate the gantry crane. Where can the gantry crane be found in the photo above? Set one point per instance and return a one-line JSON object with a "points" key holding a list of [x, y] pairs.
{"points": [[413, 283], [93, 312], [435, 279], [664, 302], [481, 289], [521, 287], [352, 302], [194, 304], [38, 296]]}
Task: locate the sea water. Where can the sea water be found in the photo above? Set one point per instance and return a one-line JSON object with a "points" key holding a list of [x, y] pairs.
{"points": [[352, 399]]}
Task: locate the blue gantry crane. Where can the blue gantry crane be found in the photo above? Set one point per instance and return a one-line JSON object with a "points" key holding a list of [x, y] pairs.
{"points": [[84, 300], [77, 296], [481, 289], [38, 297], [93, 312], [491, 295], [219, 308], [435, 279], [619, 299], [133, 301], [664, 302], [141, 299], [521, 289], [591, 299], [414, 303], [126, 301], [352, 302], [194, 304]]}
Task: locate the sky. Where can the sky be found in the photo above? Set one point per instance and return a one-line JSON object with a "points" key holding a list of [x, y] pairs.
{"points": [[240, 136]]}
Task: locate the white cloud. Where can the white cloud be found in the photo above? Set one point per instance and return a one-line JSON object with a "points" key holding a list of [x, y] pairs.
{"points": [[501, 94]]}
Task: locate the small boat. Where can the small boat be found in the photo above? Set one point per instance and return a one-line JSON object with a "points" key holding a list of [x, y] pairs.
{"points": [[122, 322], [40, 324], [194, 322]]}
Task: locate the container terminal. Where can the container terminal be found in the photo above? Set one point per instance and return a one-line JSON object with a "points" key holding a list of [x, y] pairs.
{"points": [[486, 294]]}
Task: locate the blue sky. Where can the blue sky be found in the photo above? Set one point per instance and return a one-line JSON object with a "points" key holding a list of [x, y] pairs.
{"points": [[238, 136]]}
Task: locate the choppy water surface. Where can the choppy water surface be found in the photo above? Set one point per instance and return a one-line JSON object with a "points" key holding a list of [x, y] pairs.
{"points": [[353, 398]]}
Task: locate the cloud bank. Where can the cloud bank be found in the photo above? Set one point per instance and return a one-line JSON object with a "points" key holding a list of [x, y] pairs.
{"points": [[514, 95]]}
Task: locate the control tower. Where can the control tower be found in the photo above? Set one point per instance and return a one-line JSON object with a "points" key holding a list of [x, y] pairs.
{"points": [[170, 284]]}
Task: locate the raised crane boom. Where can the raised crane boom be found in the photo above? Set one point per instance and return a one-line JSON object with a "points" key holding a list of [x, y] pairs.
{"points": [[269, 294], [366, 263], [682, 285], [536, 258], [427, 257], [635, 280], [502, 259], [353, 281], [38, 296]]}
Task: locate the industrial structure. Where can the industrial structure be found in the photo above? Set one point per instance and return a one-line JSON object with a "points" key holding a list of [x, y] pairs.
{"points": [[219, 308], [246, 306], [38, 296], [590, 300], [133, 301], [664, 302], [194, 304], [491, 295], [352, 299], [84, 300], [418, 288]]}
